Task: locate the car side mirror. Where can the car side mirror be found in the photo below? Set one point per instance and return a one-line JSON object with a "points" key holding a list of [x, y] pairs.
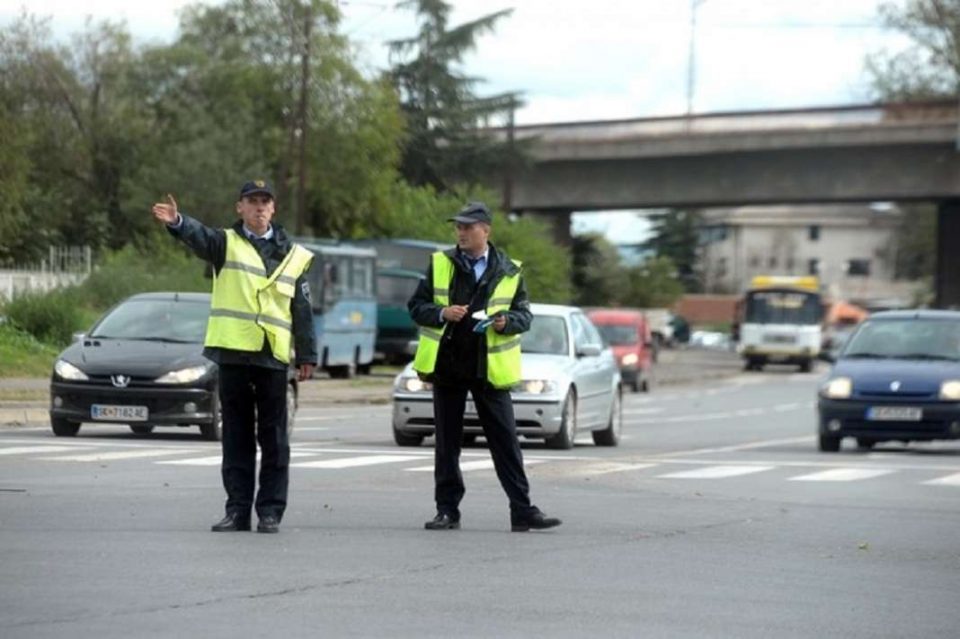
{"points": [[827, 357], [589, 350]]}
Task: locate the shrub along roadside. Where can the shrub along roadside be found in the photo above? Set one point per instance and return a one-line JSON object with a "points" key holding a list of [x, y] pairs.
{"points": [[21, 355]]}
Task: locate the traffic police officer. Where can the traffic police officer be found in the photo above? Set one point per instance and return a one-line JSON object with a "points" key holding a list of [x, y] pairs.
{"points": [[459, 352], [260, 305]]}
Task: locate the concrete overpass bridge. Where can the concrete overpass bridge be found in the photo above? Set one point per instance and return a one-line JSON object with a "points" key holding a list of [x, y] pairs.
{"points": [[884, 152]]}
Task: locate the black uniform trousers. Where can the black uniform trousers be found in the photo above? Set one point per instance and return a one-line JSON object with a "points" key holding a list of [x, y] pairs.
{"points": [[495, 411], [254, 404]]}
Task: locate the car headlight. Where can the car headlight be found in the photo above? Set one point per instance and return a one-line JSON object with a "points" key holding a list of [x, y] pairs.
{"points": [[412, 385], [950, 390], [536, 386], [66, 370], [183, 376], [629, 359], [838, 388]]}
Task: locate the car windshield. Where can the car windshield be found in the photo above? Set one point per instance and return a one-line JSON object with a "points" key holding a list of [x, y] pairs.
{"points": [[167, 320], [783, 307], [547, 335], [907, 338], [617, 334]]}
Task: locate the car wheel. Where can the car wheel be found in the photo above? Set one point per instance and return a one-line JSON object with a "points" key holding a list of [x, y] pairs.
{"points": [[864, 443], [213, 431], [341, 372], [806, 366], [829, 444], [568, 424], [637, 385], [404, 439], [646, 386], [291, 407], [141, 429], [64, 428], [610, 436]]}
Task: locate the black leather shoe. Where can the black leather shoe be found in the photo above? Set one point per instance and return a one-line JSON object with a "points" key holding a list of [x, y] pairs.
{"points": [[535, 520], [232, 523], [442, 521], [268, 524]]}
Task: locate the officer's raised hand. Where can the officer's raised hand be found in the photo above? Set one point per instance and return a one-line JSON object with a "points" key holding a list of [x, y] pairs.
{"points": [[166, 212], [455, 313]]}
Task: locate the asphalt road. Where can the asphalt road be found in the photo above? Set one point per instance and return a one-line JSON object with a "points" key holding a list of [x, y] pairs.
{"points": [[715, 517]]}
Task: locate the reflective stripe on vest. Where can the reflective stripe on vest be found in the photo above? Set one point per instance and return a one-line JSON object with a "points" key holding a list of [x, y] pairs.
{"points": [[503, 351], [247, 306]]}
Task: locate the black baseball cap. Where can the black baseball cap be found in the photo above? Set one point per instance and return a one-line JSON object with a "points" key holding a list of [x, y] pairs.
{"points": [[256, 187], [472, 213]]}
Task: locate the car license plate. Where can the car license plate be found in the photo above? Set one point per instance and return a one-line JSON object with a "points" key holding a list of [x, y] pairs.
{"points": [[894, 414], [110, 412]]}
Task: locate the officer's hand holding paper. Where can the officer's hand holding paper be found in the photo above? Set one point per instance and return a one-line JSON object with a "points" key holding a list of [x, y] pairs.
{"points": [[483, 321]]}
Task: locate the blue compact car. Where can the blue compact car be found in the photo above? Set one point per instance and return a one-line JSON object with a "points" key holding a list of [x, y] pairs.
{"points": [[897, 378]]}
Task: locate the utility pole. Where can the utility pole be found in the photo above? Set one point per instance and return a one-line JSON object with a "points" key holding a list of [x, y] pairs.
{"points": [[302, 122], [510, 164], [691, 57]]}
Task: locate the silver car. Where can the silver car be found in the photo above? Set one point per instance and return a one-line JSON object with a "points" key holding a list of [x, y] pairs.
{"points": [[570, 383]]}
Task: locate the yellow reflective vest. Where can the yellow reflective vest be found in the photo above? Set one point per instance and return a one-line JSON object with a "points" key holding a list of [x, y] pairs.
{"points": [[247, 307], [503, 351]]}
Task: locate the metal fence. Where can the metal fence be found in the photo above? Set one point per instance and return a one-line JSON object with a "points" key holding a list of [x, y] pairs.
{"points": [[63, 266]]}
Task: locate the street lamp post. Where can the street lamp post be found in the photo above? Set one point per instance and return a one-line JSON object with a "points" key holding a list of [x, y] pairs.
{"points": [[691, 55]]}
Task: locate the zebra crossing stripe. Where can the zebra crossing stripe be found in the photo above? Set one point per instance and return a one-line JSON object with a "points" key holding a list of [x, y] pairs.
{"points": [[465, 467], [716, 472], [352, 462], [25, 450], [115, 455], [949, 480], [842, 474], [214, 460]]}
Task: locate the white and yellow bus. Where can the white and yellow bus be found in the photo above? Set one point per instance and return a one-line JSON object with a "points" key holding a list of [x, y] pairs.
{"points": [[780, 322]]}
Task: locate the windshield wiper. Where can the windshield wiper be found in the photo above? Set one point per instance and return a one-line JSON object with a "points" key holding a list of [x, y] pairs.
{"points": [[928, 356], [867, 355], [170, 340]]}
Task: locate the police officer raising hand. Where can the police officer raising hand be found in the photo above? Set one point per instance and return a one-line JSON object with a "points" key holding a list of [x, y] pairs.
{"points": [[260, 313]]}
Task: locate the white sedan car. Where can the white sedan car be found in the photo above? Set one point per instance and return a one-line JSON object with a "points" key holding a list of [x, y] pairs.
{"points": [[570, 383]]}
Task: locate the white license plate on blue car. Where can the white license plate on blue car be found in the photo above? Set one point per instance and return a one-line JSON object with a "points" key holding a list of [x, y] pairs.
{"points": [[894, 414], [111, 412]]}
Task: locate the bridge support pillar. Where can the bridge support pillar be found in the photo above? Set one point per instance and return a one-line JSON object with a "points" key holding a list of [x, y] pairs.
{"points": [[558, 221], [947, 282]]}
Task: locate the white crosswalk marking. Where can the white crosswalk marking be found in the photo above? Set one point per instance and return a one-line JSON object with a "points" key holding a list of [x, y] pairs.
{"points": [[843, 474], [716, 472], [116, 455], [215, 460], [25, 450], [949, 480], [480, 464], [352, 462]]}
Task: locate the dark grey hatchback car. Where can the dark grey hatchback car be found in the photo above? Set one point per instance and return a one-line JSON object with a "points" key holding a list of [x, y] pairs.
{"points": [[142, 364]]}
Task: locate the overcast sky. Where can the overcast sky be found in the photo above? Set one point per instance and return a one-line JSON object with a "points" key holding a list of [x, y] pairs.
{"points": [[605, 59]]}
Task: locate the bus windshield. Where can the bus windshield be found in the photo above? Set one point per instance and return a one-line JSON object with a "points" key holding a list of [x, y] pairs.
{"points": [[782, 307]]}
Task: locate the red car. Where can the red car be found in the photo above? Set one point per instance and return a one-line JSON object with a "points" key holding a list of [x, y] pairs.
{"points": [[628, 333]]}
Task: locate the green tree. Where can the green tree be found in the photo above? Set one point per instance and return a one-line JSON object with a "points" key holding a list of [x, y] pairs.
{"points": [[676, 235], [597, 274], [930, 67], [444, 143], [653, 284]]}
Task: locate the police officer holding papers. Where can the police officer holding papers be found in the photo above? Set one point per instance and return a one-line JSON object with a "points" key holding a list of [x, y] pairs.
{"points": [[260, 310], [471, 308]]}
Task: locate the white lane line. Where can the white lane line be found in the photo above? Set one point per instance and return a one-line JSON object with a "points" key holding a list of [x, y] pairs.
{"points": [[321, 418], [843, 474], [115, 455], [216, 459], [611, 467], [747, 446], [750, 412], [352, 462], [23, 450], [716, 472], [783, 408], [643, 411], [310, 429], [480, 464], [949, 480]]}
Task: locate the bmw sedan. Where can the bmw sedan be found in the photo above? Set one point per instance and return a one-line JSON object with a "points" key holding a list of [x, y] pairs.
{"points": [[570, 383], [142, 365], [897, 378]]}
